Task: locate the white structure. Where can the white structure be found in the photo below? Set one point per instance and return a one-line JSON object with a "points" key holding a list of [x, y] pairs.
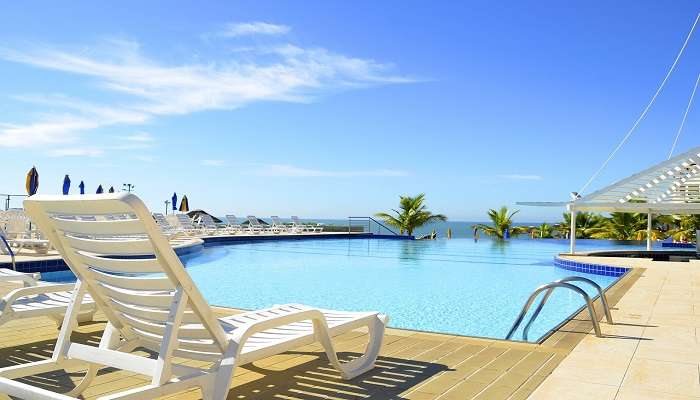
{"points": [[670, 187]]}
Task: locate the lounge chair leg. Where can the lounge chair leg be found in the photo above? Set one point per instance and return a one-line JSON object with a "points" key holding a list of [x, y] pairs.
{"points": [[218, 388], [85, 382], [358, 366]]}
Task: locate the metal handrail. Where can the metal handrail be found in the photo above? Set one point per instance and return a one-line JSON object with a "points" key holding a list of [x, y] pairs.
{"points": [[549, 288], [9, 251], [601, 294], [368, 222]]}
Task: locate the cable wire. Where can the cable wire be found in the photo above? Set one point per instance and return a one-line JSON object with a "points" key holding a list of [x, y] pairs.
{"points": [[646, 109], [687, 109]]}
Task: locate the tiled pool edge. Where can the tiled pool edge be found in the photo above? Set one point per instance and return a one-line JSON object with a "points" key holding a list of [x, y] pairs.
{"points": [[57, 264], [589, 268]]}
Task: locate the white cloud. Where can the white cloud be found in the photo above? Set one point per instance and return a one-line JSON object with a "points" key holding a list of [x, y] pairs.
{"points": [[61, 128], [214, 163], [48, 130], [77, 152], [139, 137], [521, 177], [254, 28], [147, 88], [282, 170]]}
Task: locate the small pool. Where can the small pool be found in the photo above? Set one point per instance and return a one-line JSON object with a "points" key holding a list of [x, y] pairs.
{"points": [[452, 286]]}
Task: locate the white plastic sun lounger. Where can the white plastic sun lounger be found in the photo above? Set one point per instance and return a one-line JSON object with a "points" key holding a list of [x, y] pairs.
{"points": [[233, 225], [14, 228], [9, 275], [186, 224], [39, 298], [150, 301], [254, 226], [277, 225], [208, 225], [305, 227]]}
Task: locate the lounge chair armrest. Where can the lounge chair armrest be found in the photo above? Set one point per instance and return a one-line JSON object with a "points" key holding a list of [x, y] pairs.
{"points": [[34, 290], [242, 333]]}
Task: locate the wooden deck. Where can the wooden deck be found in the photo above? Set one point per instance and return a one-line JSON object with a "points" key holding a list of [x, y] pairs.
{"points": [[412, 365]]}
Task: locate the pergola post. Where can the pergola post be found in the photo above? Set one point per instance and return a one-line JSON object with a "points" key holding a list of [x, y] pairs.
{"points": [[649, 215], [572, 233]]}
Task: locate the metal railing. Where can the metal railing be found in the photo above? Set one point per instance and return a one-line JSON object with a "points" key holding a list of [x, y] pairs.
{"points": [[7, 246], [549, 288], [371, 224], [8, 198]]}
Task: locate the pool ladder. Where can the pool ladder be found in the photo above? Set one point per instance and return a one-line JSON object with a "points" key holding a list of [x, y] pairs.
{"points": [[549, 288]]}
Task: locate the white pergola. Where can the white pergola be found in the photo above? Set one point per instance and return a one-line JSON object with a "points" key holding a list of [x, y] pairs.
{"points": [[670, 187]]}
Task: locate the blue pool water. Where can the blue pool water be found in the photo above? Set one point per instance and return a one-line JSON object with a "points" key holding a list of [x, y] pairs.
{"points": [[451, 286]]}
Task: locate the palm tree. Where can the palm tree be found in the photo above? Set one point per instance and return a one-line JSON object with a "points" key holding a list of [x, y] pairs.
{"points": [[586, 222], [686, 227], [412, 214], [543, 231], [625, 226], [501, 221]]}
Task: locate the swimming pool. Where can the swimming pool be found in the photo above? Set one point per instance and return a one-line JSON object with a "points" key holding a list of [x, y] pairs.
{"points": [[451, 286]]}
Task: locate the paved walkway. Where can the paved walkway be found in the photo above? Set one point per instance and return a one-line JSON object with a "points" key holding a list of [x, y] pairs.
{"points": [[653, 350]]}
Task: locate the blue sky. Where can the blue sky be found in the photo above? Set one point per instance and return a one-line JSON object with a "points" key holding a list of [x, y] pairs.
{"points": [[330, 108]]}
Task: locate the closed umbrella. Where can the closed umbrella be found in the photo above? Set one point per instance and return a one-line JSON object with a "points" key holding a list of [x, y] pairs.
{"points": [[174, 201], [184, 204], [100, 190], [66, 184], [82, 187], [111, 189], [32, 183]]}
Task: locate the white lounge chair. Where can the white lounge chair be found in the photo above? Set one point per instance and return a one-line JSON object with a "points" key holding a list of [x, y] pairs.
{"points": [[9, 275], [15, 228], [254, 226], [207, 224], [233, 226], [152, 302], [38, 298], [186, 225], [297, 224], [277, 225]]}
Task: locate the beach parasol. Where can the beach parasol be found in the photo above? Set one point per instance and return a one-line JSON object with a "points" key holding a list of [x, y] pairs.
{"points": [[32, 183]]}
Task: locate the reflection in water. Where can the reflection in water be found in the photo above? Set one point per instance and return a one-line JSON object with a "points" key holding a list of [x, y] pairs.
{"points": [[500, 246]]}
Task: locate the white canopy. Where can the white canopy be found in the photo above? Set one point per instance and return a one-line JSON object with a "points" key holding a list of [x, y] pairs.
{"points": [[670, 187]]}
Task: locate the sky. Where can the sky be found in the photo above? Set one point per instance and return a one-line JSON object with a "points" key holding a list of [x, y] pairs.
{"points": [[329, 109]]}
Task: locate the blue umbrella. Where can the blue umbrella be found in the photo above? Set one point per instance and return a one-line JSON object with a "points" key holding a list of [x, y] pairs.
{"points": [[174, 199], [100, 190], [111, 189], [66, 185], [82, 187], [32, 183]]}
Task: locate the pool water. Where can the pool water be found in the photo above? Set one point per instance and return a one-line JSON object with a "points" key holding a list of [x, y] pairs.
{"points": [[451, 286]]}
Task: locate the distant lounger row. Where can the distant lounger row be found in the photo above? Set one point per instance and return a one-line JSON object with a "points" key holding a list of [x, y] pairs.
{"points": [[204, 224]]}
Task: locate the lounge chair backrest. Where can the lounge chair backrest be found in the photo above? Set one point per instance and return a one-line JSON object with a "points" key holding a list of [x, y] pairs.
{"points": [[185, 221], [232, 220], [208, 221], [276, 220], [295, 220], [16, 223], [130, 270], [253, 220]]}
